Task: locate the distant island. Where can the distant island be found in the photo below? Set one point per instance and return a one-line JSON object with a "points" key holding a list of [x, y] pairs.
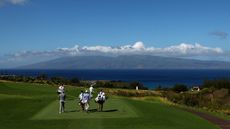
{"points": [[126, 62]]}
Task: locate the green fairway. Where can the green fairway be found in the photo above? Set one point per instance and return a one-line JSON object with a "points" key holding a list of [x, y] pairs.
{"points": [[114, 108], [32, 106]]}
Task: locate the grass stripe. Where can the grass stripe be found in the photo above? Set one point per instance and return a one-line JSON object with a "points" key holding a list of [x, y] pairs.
{"points": [[113, 108]]}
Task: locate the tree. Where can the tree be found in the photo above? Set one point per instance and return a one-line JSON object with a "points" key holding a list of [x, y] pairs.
{"points": [[180, 88], [42, 76], [74, 80]]}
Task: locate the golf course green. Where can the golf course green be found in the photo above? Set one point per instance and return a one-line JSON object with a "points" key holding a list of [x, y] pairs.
{"points": [[35, 106]]}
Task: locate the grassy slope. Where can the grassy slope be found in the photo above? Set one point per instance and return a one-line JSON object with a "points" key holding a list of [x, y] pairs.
{"points": [[29, 106]]}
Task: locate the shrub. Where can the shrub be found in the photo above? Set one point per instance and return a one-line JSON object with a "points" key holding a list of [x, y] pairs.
{"points": [[74, 81], [140, 85], [218, 84], [59, 80], [158, 88], [221, 93], [180, 88], [190, 100], [42, 76]]}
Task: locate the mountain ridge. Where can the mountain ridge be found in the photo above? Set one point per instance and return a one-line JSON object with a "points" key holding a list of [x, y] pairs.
{"points": [[126, 62]]}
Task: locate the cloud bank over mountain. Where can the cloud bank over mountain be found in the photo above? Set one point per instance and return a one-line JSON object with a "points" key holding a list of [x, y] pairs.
{"points": [[138, 48], [184, 50]]}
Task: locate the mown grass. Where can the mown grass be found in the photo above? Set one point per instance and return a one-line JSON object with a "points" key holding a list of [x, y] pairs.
{"points": [[32, 106], [111, 110]]}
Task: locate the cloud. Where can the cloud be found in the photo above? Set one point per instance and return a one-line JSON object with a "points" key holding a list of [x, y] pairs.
{"points": [[187, 50], [17, 1], [220, 34], [138, 48], [13, 2]]}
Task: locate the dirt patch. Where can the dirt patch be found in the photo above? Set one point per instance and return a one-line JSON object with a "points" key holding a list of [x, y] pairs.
{"points": [[224, 124]]}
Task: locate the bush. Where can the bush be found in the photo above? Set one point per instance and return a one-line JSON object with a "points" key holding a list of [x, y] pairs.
{"points": [[74, 81], [218, 84], [131, 93], [190, 100], [158, 88], [59, 80], [180, 88], [42, 76], [140, 85]]}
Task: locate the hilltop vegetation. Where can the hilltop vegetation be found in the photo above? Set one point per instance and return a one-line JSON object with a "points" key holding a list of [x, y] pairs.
{"points": [[44, 79], [213, 96]]}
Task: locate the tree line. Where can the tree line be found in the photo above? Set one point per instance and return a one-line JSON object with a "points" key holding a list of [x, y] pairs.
{"points": [[74, 81]]}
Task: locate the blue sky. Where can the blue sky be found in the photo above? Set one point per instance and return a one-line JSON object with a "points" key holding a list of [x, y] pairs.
{"points": [[38, 26]]}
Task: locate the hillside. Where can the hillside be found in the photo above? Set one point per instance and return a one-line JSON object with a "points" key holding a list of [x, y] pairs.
{"points": [[126, 62]]}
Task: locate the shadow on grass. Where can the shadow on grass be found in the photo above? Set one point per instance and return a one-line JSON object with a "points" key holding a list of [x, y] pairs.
{"points": [[68, 111], [95, 110], [92, 110], [112, 110]]}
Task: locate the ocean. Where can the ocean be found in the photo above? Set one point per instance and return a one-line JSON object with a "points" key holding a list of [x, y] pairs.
{"points": [[150, 78]]}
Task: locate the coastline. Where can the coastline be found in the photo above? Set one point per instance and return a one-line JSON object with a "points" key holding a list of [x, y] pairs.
{"points": [[150, 78]]}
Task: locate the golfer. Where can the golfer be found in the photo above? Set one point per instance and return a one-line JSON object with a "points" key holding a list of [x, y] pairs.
{"points": [[91, 91], [80, 100], [100, 99], [61, 89], [85, 101], [62, 102]]}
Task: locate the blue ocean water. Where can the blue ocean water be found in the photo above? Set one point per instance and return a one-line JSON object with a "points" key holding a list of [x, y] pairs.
{"points": [[150, 78]]}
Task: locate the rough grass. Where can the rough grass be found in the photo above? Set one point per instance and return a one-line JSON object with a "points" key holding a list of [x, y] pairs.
{"points": [[166, 101], [131, 92], [31, 106]]}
